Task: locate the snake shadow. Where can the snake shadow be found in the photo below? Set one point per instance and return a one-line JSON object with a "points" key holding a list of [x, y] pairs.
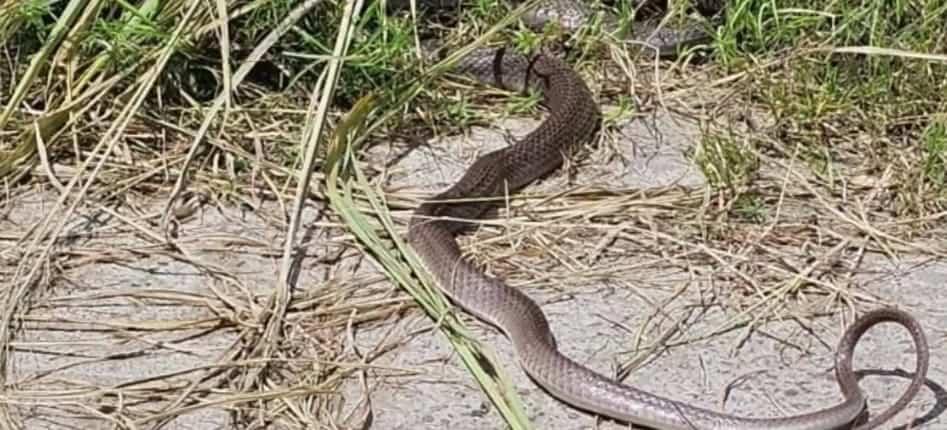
{"points": [[940, 395]]}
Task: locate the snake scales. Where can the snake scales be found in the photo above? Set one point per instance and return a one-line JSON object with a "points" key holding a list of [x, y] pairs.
{"points": [[574, 118]]}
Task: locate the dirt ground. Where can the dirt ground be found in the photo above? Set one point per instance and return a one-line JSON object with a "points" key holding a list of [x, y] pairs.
{"points": [[127, 334]]}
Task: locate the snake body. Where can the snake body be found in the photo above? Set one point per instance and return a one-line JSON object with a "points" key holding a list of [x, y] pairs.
{"points": [[574, 118]]}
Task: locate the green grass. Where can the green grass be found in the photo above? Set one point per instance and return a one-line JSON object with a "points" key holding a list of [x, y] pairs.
{"points": [[726, 163], [934, 142], [829, 105]]}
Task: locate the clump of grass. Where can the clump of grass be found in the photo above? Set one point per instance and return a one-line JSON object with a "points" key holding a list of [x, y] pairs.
{"points": [[726, 163], [922, 188], [837, 98], [935, 155], [28, 21], [124, 39]]}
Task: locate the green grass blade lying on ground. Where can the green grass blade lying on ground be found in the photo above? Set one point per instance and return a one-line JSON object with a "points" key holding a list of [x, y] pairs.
{"points": [[347, 193]]}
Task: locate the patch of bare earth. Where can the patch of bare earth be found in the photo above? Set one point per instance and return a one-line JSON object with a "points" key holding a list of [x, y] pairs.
{"points": [[644, 274]]}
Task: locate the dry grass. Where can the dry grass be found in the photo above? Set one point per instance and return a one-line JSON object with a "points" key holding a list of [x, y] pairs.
{"points": [[807, 174]]}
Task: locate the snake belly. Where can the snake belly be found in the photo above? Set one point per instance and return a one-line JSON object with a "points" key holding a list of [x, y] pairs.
{"points": [[574, 118]]}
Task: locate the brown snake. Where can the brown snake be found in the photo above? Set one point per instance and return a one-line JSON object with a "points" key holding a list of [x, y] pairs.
{"points": [[574, 118]]}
